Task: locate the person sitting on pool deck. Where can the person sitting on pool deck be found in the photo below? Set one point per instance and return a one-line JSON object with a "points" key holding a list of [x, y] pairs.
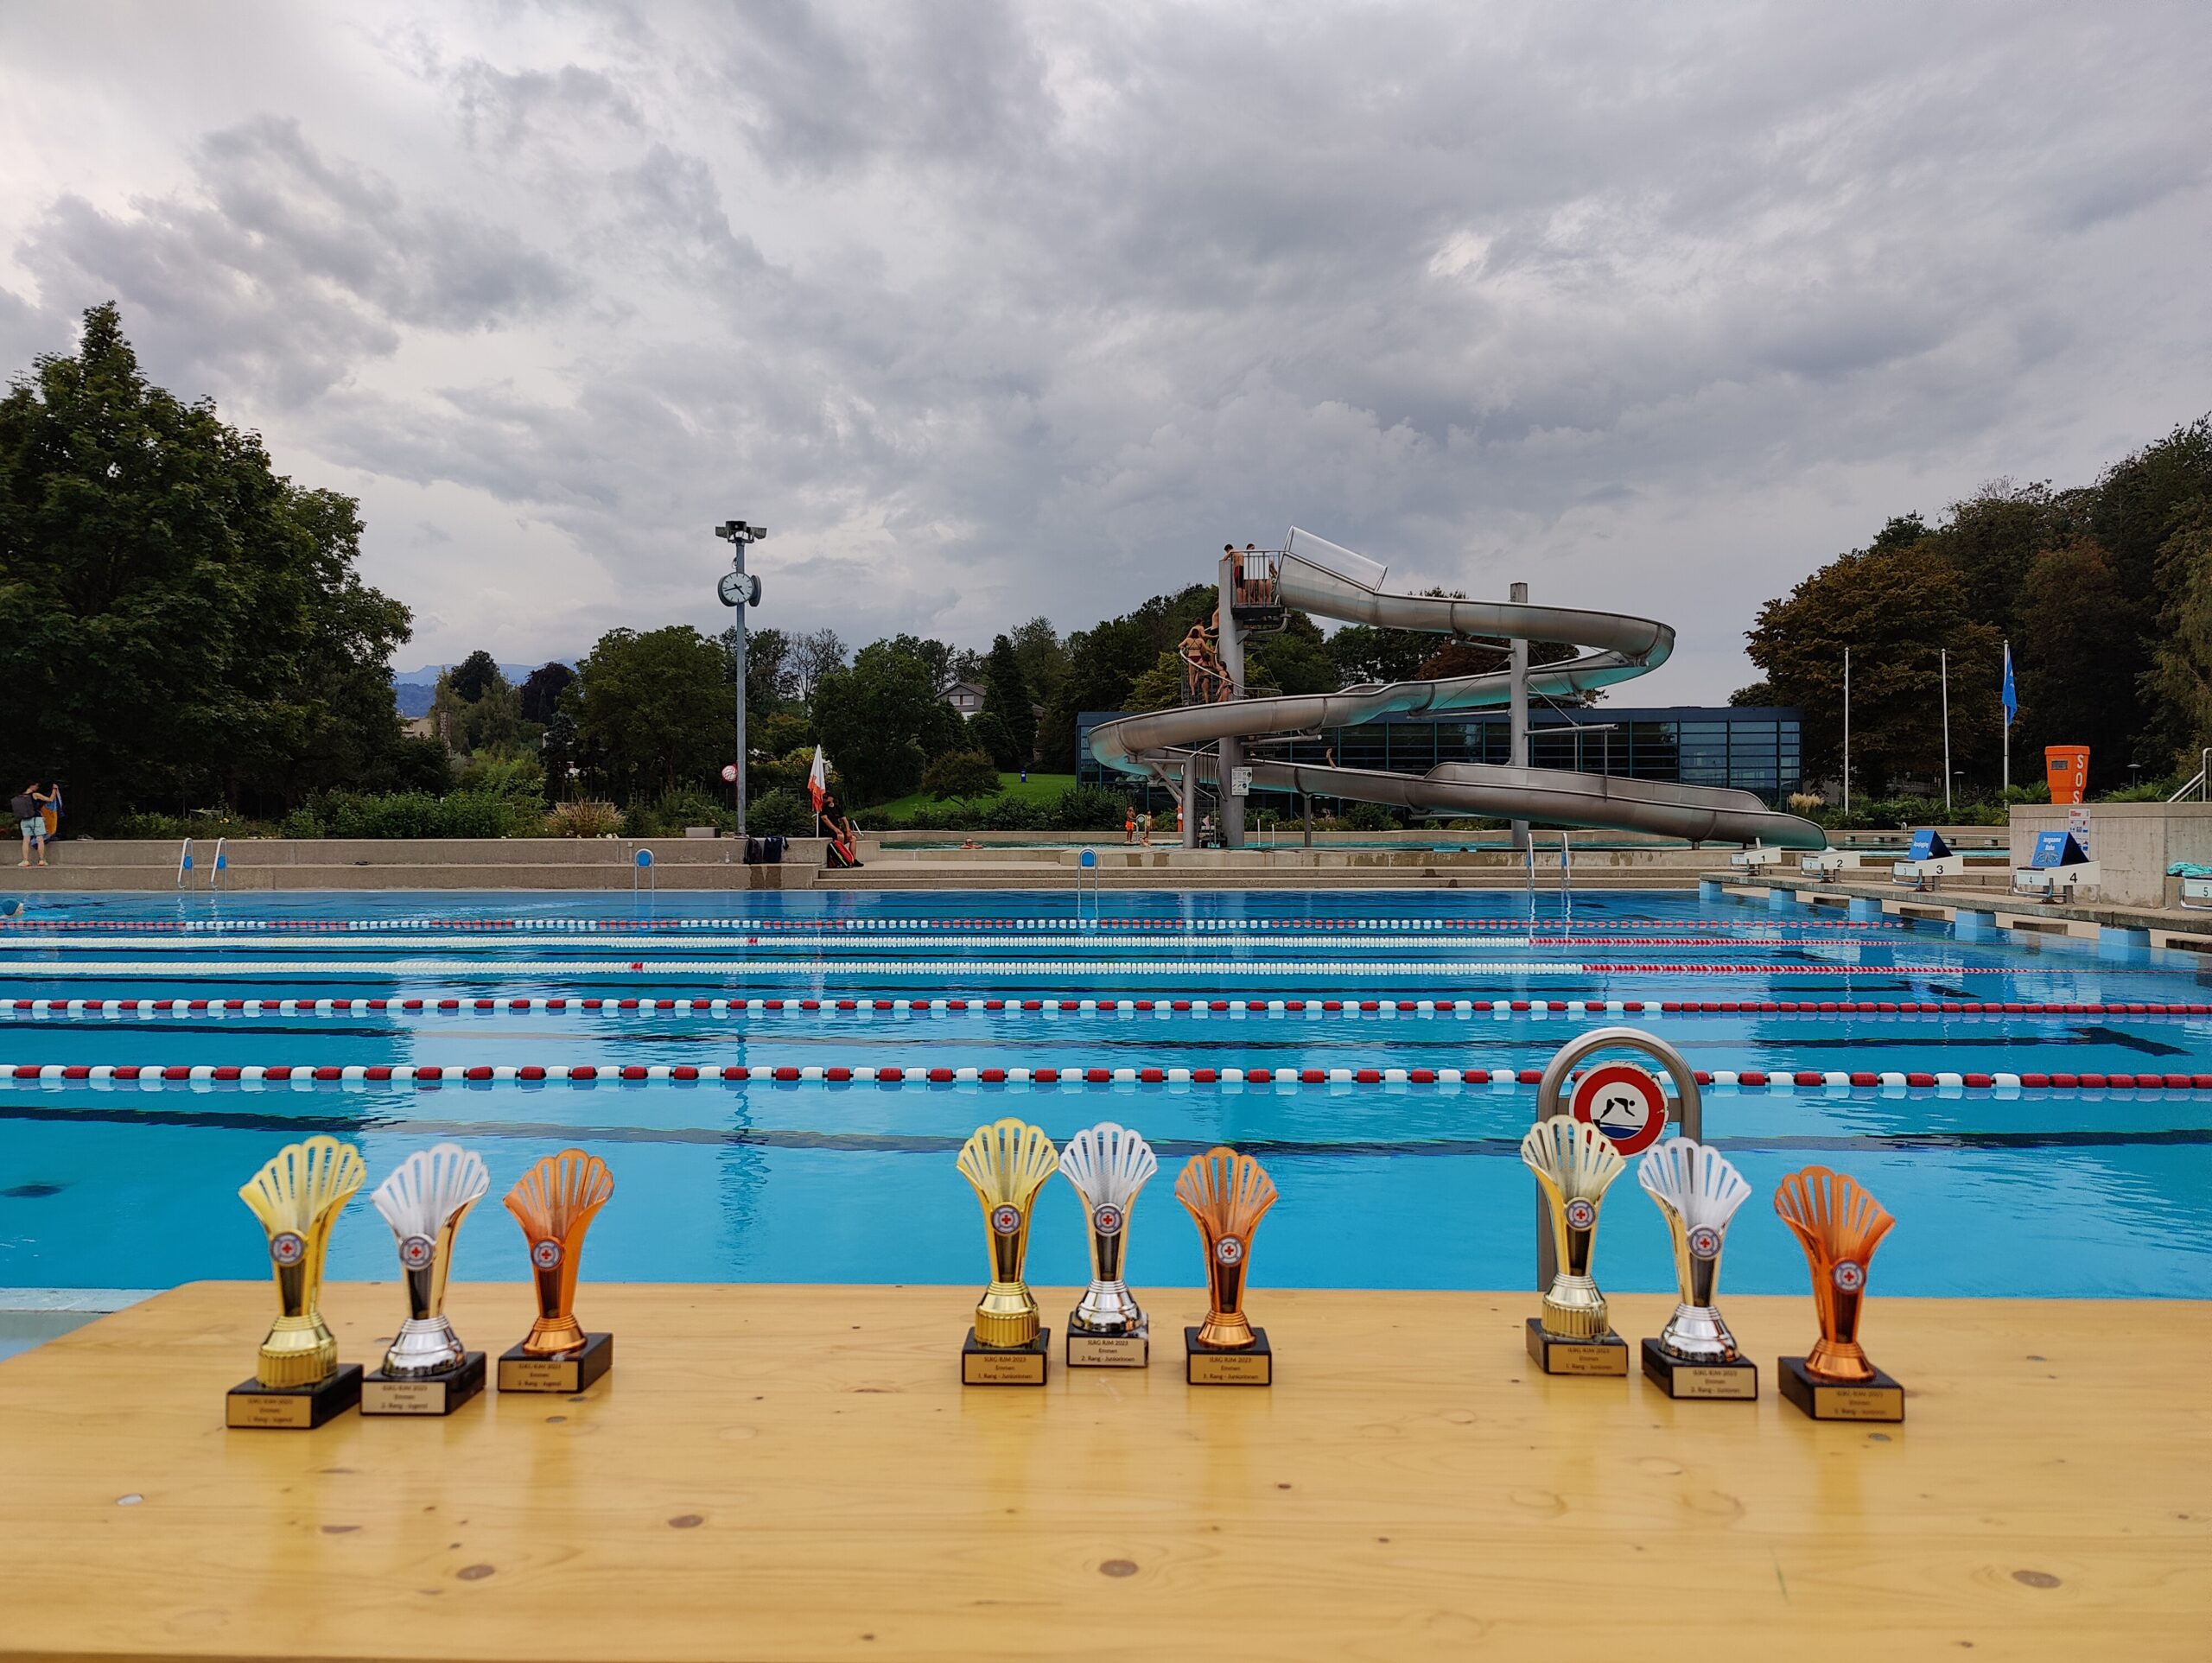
{"points": [[844, 837]]}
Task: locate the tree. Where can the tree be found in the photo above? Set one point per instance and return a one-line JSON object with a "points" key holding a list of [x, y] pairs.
{"points": [[987, 733], [1005, 694], [767, 669], [650, 711], [542, 690], [1296, 660], [1103, 662], [2178, 684], [180, 626], [476, 676], [1043, 658], [962, 773], [1758, 693], [812, 656], [2078, 658], [490, 723], [872, 718]]}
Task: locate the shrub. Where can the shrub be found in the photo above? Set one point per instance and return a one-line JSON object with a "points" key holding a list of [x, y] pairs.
{"points": [[587, 818], [962, 774], [1085, 808], [480, 813], [1012, 814], [780, 813], [668, 815], [503, 776], [1371, 817]]}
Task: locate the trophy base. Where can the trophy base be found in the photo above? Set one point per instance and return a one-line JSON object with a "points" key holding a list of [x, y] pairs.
{"points": [[1249, 1365], [423, 1394], [520, 1372], [1878, 1399], [1087, 1350], [1724, 1382], [1009, 1365], [1606, 1357], [293, 1408]]}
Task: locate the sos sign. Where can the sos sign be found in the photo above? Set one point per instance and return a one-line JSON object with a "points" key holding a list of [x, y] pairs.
{"points": [[1625, 1102]]}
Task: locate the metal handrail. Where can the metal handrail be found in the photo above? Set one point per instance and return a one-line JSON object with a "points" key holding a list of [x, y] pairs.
{"points": [[2201, 783]]}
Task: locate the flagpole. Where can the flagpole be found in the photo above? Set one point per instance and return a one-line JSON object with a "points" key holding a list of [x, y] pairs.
{"points": [[1846, 730], [1945, 663], [2008, 718]]}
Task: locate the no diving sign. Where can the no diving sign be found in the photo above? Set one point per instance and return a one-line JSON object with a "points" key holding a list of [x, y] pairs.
{"points": [[1626, 1103]]}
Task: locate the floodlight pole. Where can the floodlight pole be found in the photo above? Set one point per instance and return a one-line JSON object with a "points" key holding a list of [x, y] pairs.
{"points": [[1517, 707]]}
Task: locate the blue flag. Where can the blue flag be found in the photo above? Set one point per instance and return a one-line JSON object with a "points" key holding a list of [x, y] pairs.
{"points": [[2011, 699]]}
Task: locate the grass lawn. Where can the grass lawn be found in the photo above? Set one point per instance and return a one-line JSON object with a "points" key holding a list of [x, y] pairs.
{"points": [[1043, 789]]}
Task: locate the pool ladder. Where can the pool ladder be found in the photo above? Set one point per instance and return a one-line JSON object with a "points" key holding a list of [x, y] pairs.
{"points": [[184, 863], [1086, 865]]}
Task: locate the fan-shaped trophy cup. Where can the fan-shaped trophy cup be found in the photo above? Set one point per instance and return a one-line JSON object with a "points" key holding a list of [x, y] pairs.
{"points": [[1839, 1225], [1574, 1163], [427, 1371], [555, 1203], [1108, 1165], [298, 1382], [1006, 1164], [1698, 1190], [1226, 1195]]}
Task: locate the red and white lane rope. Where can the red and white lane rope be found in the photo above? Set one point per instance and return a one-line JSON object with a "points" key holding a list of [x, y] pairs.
{"points": [[869, 927], [834, 1005], [154, 1076], [826, 942]]}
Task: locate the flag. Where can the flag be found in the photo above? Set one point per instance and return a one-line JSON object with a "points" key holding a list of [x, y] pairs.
{"points": [[817, 779], [2008, 697]]}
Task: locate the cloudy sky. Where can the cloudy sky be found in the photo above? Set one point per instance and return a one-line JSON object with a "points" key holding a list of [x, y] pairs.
{"points": [[994, 309]]}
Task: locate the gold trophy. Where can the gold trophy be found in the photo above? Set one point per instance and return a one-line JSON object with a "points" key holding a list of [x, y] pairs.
{"points": [[297, 1383], [1699, 1191], [1006, 1164], [1574, 1163], [427, 1371], [1226, 1195], [555, 1203], [1839, 1225]]}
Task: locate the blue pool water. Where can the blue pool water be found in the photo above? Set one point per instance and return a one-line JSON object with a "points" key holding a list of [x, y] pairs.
{"points": [[2015, 1191]]}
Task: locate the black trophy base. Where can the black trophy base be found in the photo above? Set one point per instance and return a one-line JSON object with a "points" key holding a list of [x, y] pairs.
{"points": [[293, 1408], [1247, 1365], [1606, 1357], [1718, 1382], [423, 1394], [1879, 1398], [571, 1371], [1006, 1365], [1086, 1350]]}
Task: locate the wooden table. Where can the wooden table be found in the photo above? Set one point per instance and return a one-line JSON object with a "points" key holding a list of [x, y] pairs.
{"points": [[788, 1472]]}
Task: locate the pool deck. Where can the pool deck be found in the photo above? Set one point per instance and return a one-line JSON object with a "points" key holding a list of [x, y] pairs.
{"points": [[787, 1472]]}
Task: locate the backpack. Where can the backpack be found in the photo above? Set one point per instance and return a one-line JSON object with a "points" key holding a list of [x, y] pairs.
{"points": [[24, 805]]}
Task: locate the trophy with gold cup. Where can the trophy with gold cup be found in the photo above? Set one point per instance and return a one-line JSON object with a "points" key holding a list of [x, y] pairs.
{"points": [[1006, 1164], [1698, 1190], [427, 1371], [298, 1382], [1108, 1165], [1574, 1163], [1226, 1195], [1839, 1225], [555, 1204]]}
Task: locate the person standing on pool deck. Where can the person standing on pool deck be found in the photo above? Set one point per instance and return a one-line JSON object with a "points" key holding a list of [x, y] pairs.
{"points": [[30, 806]]}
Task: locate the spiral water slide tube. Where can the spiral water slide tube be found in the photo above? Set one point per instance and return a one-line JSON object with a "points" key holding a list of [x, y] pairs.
{"points": [[1317, 576]]}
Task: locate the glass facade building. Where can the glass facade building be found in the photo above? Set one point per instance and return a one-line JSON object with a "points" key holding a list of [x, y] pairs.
{"points": [[1746, 747]]}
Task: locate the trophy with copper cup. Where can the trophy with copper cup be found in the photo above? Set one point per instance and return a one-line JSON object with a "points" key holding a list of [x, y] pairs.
{"points": [[427, 1371], [298, 1382], [1006, 1164], [555, 1204], [1698, 1190], [1839, 1225], [1108, 1165], [1226, 1195], [1574, 1163]]}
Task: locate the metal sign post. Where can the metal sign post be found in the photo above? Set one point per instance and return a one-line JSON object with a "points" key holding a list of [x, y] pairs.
{"points": [[1687, 1109]]}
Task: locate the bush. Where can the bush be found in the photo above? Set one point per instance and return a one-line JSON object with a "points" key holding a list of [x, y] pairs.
{"points": [[1012, 814], [780, 813], [962, 774], [1085, 808], [519, 776], [668, 815], [1371, 817], [780, 735], [161, 827], [587, 818]]}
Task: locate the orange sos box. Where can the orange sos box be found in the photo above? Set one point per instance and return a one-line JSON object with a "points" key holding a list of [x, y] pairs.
{"points": [[2067, 768]]}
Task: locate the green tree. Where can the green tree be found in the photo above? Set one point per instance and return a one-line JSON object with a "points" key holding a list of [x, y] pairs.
{"points": [[768, 672], [180, 626], [962, 774], [1043, 658], [476, 675], [987, 733], [1895, 609], [1104, 662], [1293, 660], [651, 711], [2178, 684], [542, 689], [489, 723], [2078, 658], [1005, 694], [873, 718]]}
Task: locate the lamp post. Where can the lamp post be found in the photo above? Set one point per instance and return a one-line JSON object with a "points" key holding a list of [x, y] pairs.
{"points": [[739, 589]]}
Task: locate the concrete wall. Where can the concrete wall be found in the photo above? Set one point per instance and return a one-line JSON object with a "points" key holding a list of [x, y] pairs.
{"points": [[2134, 843]]}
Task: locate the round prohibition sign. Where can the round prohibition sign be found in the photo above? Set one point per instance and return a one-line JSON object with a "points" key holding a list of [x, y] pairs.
{"points": [[1626, 1103]]}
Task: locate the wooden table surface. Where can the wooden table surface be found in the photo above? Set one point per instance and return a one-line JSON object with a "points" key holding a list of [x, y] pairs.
{"points": [[794, 1472]]}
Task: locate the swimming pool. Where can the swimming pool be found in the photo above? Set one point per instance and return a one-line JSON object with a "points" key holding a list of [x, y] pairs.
{"points": [[1395, 1032]]}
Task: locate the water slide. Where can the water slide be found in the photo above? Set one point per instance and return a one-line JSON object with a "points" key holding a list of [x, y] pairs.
{"points": [[1316, 576]]}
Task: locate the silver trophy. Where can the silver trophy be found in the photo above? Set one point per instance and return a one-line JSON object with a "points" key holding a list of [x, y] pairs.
{"points": [[1108, 1165], [1699, 1191], [424, 1202]]}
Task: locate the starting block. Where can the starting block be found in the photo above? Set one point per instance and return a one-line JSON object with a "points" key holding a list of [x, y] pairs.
{"points": [[2060, 869], [1828, 862], [1754, 857], [1928, 860]]}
